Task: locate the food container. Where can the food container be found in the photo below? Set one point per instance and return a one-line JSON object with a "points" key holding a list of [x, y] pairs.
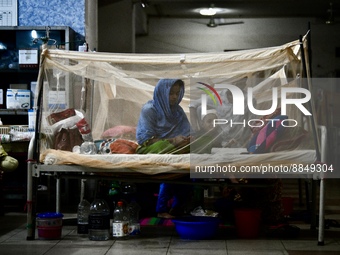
{"points": [[196, 227], [49, 225]]}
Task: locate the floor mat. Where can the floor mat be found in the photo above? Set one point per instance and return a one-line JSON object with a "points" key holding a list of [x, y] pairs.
{"points": [[154, 221]]}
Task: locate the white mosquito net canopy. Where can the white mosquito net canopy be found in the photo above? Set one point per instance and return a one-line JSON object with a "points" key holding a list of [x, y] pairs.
{"points": [[109, 89]]}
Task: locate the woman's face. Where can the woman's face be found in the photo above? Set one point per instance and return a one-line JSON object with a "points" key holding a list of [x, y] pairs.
{"points": [[208, 121], [174, 94]]}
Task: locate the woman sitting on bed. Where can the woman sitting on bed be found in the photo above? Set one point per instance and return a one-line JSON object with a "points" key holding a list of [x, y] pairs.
{"points": [[163, 127]]}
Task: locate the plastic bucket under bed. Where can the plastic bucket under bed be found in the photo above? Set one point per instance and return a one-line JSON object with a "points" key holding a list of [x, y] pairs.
{"points": [[247, 222], [49, 225]]}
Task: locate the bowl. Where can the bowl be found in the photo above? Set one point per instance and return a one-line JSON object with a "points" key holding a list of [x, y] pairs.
{"points": [[196, 227]]}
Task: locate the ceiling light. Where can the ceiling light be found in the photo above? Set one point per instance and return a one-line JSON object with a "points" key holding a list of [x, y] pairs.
{"points": [[212, 10], [208, 11], [2, 46], [144, 3], [34, 34]]}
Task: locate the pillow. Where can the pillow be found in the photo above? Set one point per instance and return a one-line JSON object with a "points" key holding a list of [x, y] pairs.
{"points": [[126, 132], [267, 136]]}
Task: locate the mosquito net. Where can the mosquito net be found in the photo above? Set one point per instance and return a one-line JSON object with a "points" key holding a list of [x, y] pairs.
{"points": [[244, 90]]}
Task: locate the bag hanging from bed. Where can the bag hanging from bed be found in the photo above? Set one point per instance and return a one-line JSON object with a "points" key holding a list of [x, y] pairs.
{"points": [[66, 139]]}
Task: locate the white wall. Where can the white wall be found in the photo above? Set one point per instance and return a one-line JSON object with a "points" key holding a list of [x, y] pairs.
{"points": [[116, 27], [188, 35]]}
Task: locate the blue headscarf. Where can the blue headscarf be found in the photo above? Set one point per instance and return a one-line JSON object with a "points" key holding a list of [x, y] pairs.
{"points": [[159, 120]]}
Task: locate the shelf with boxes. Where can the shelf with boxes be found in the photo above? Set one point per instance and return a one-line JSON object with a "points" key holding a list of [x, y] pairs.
{"points": [[20, 49], [10, 135], [13, 112]]}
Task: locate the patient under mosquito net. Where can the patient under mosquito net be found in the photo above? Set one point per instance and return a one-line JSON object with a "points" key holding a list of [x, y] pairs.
{"points": [[109, 89]]}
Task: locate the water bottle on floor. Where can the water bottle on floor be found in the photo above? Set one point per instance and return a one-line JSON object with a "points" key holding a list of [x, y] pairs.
{"points": [[120, 225], [133, 209], [99, 220], [83, 217]]}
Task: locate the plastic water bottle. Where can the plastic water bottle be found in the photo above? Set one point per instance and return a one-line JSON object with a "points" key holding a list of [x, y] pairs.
{"points": [[133, 209], [120, 225], [88, 148], [83, 216], [99, 220]]}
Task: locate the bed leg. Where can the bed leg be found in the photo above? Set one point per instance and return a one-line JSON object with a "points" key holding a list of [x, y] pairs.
{"points": [[57, 195], [321, 213], [313, 204], [29, 204], [322, 187]]}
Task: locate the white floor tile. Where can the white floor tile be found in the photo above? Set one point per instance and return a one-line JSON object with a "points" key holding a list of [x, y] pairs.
{"points": [[311, 245], [253, 245], [159, 241], [198, 244]]}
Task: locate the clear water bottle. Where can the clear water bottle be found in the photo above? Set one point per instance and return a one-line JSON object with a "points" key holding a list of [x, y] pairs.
{"points": [[133, 209], [83, 216], [88, 148], [99, 220], [120, 225]]}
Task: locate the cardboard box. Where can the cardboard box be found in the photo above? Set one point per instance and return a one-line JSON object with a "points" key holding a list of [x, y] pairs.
{"points": [[18, 99], [18, 86]]}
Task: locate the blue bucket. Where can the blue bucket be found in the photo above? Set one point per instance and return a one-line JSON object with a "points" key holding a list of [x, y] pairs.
{"points": [[196, 227]]}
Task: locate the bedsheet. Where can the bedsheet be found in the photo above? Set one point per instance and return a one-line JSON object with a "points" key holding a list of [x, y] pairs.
{"points": [[165, 163]]}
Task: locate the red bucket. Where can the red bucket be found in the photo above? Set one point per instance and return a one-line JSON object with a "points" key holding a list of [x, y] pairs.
{"points": [[49, 232], [49, 225], [247, 222], [287, 204]]}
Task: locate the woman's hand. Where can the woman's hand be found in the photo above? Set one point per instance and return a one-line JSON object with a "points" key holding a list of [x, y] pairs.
{"points": [[180, 140]]}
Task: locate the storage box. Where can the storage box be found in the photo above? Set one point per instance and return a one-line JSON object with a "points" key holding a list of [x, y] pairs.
{"points": [[18, 99], [18, 86]]}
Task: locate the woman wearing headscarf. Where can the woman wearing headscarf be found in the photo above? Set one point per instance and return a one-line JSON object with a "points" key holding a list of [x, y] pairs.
{"points": [[163, 127]]}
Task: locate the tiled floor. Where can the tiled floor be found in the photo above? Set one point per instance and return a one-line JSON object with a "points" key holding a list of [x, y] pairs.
{"points": [[160, 240]]}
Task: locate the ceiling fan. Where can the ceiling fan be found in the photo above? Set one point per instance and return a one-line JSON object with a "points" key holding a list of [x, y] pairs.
{"points": [[212, 23]]}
